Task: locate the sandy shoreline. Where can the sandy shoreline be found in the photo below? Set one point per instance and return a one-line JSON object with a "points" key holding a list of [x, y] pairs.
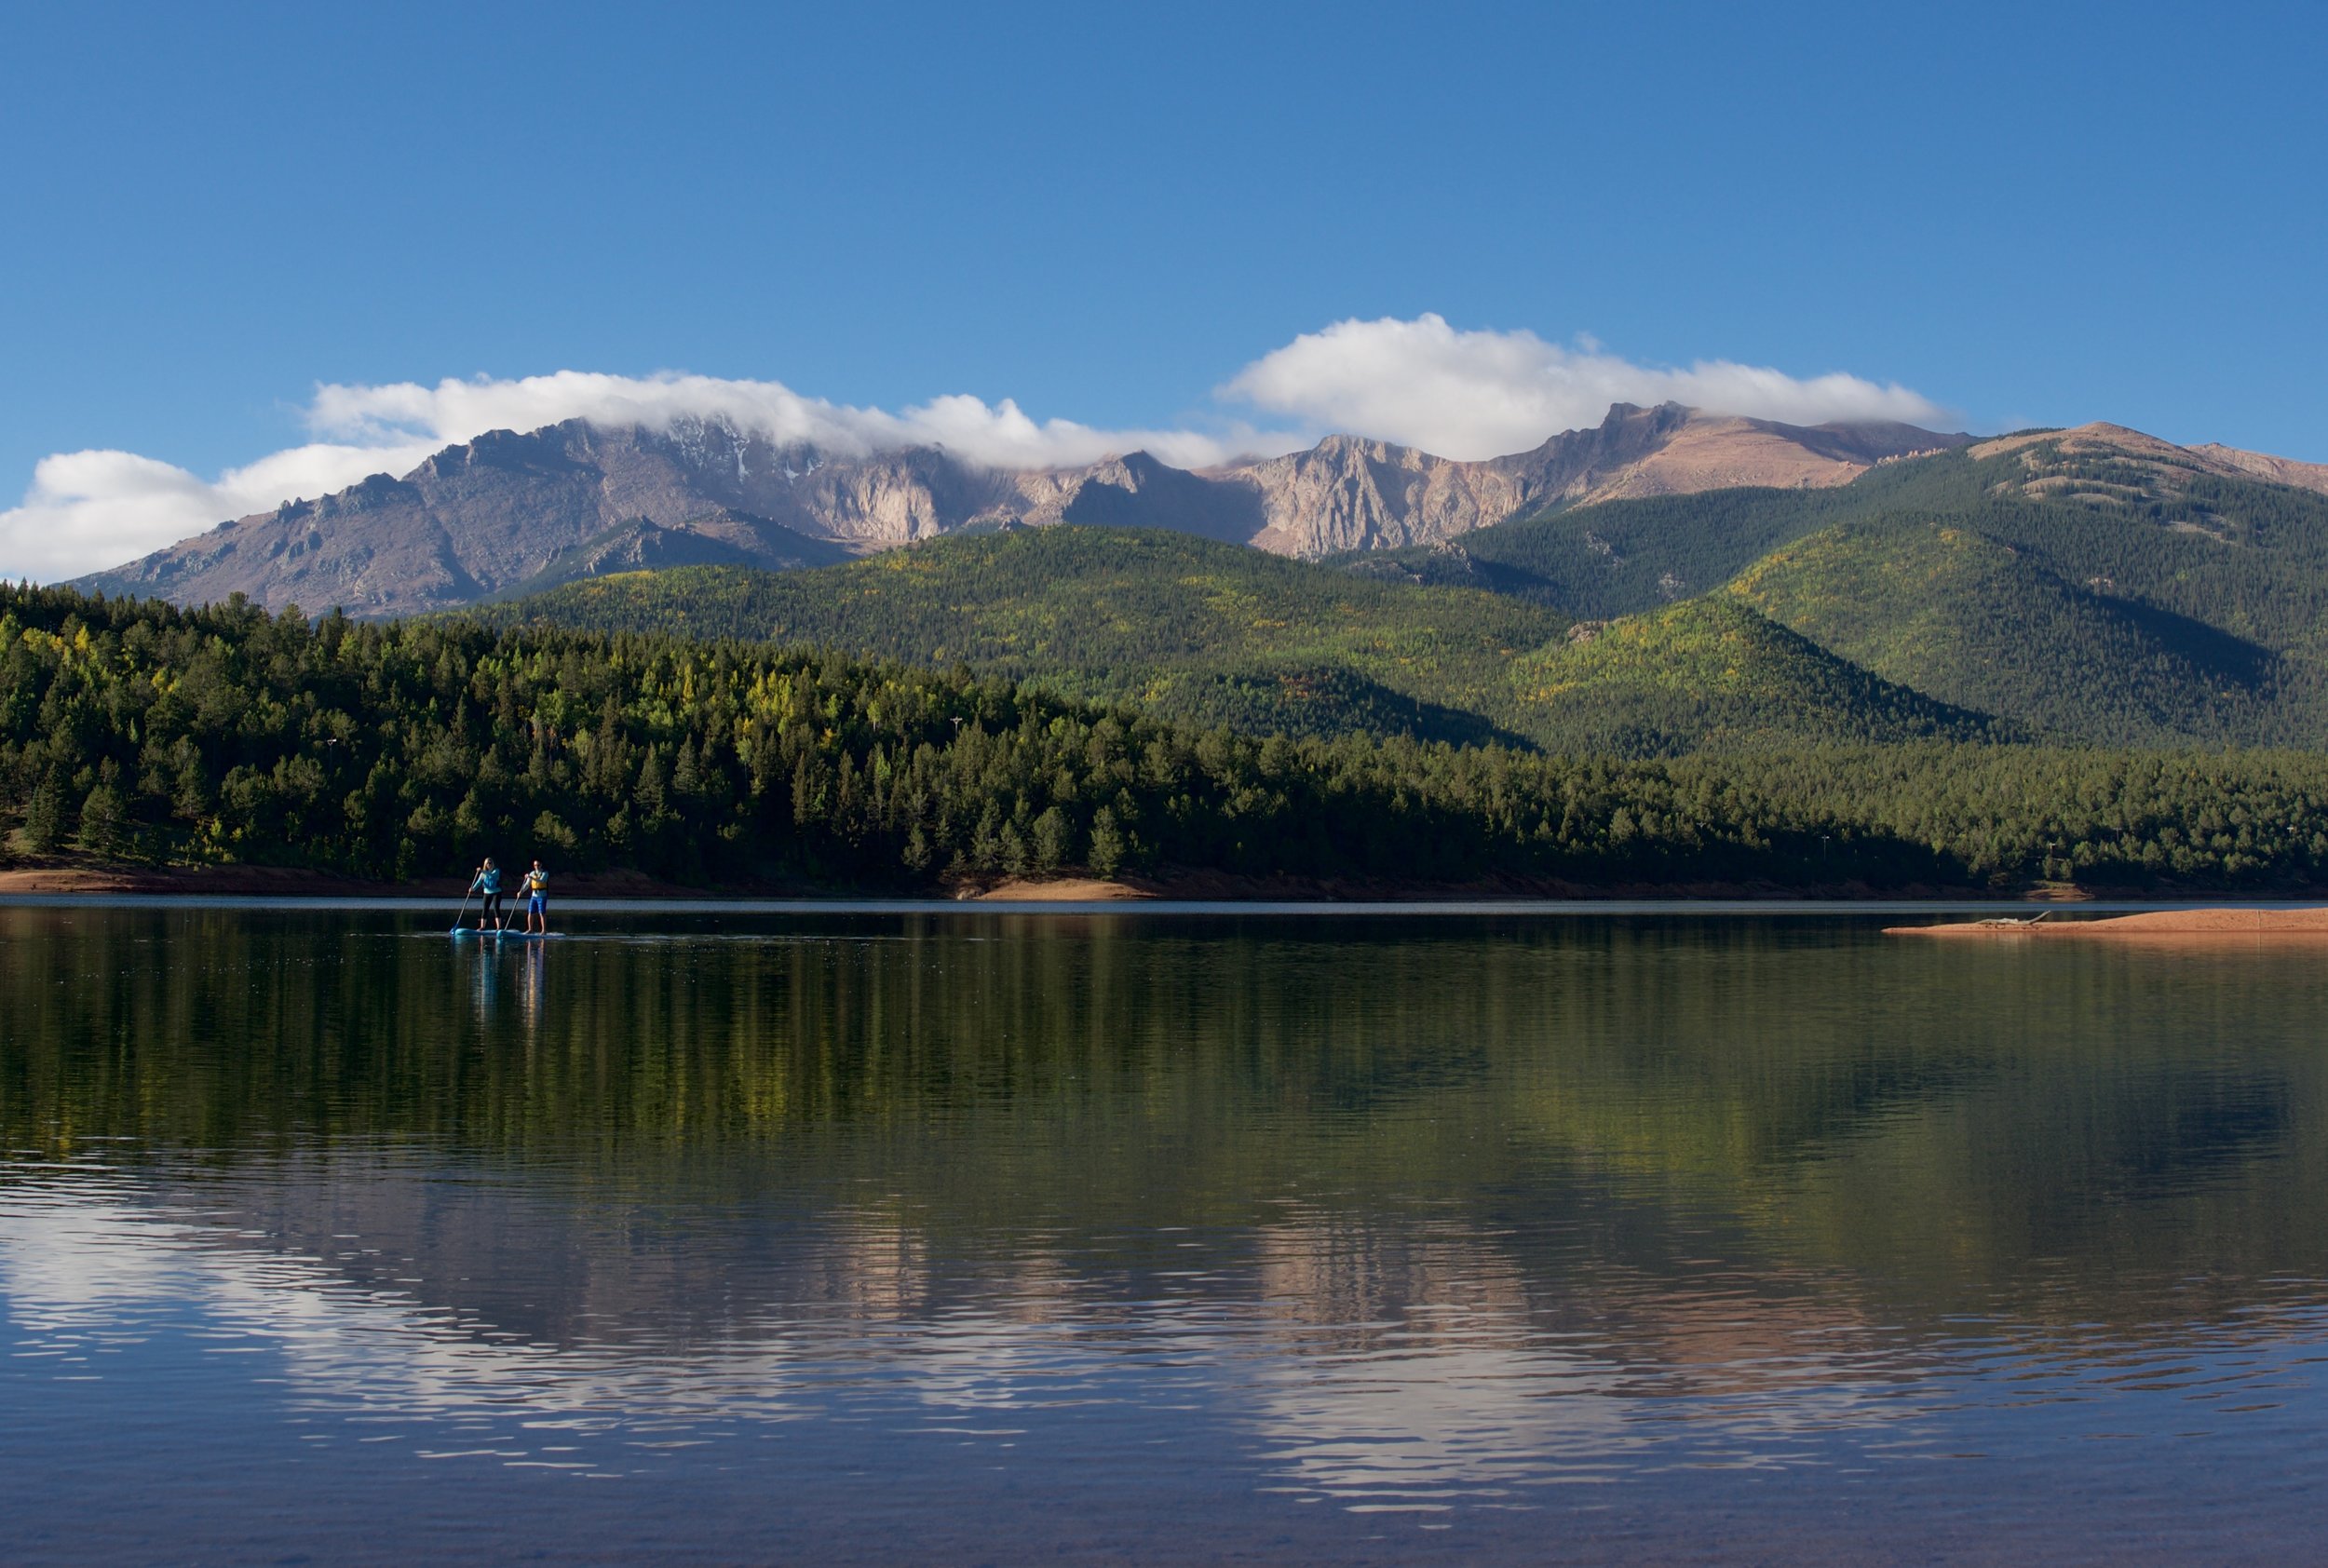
{"points": [[2309, 922], [69, 879], [260, 882]]}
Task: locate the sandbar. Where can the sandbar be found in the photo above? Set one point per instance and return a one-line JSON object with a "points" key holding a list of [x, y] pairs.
{"points": [[2311, 921]]}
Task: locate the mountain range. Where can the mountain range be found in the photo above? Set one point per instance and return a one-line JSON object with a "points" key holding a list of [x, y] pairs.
{"points": [[513, 513], [1665, 582]]}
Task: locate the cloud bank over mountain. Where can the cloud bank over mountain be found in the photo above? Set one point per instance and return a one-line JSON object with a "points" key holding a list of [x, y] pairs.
{"points": [[1465, 394], [997, 435], [1473, 394]]}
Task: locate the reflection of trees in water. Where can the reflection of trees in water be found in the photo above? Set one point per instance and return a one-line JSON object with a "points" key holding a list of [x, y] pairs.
{"points": [[1602, 1113]]}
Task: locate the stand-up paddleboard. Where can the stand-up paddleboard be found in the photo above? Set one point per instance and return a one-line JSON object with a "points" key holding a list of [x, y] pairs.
{"points": [[505, 936]]}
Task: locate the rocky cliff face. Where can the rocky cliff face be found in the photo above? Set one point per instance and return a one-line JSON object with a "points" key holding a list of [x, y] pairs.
{"points": [[508, 510], [1345, 493]]}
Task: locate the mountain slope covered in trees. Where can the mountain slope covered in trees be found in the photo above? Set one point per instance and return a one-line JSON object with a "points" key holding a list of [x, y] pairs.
{"points": [[1975, 621], [1217, 634], [1189, 627]]}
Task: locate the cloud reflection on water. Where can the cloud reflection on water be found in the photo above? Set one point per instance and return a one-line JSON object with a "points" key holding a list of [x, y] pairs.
{"points": [[1351, 1366]]}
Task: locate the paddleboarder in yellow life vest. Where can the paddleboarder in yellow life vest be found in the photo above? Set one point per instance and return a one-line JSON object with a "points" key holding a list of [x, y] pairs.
{"points": [[536, 893]]}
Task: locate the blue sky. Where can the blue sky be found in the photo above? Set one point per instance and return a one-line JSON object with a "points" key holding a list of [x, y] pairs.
{"points": [[2041, 215]]}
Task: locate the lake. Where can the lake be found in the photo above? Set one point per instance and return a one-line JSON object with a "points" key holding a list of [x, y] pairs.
{"points": [[1142, 1237]]}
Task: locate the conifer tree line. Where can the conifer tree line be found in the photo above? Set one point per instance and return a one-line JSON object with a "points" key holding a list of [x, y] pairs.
{"points": [[139, 731]]}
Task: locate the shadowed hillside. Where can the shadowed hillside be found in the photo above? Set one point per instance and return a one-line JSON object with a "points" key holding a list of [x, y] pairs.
{"points": [[1977, 622]]}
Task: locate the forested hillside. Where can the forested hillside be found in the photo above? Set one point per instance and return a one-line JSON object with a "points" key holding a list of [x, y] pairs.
{"points": [[2071, 592], [1217, 634], [1189, 627], [139, 730]]}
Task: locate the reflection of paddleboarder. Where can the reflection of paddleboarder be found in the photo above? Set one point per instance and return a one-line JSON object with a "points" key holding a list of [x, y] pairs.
{"points": [[537, 891], [530, 997], [488, 881]]}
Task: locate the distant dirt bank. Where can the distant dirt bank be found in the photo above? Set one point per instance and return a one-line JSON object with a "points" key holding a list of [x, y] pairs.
{"points": [[2201, 924]]}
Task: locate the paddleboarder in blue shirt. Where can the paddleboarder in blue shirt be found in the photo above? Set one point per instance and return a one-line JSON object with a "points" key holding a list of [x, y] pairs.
{"points": [[489, 883]]}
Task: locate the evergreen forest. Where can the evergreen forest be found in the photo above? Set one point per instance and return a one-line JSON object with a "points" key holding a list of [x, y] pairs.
{"points": [[139, 731]]}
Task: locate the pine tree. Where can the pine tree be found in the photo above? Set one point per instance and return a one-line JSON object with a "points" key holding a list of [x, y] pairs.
{"points": [[651, 796], [44, 815], [1051, 836], [104, 822], [1107, 843], [986, 839]]}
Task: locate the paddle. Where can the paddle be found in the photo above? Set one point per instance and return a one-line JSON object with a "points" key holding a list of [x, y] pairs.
{"points": [[462, 914]]}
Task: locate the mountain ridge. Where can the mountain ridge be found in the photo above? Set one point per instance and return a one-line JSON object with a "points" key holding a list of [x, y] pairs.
{"points": [[481, 516]]}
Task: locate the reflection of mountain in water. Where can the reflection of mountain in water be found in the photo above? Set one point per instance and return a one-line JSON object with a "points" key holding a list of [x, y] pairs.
{"points": [[1329, 1124], [1377, 1367]]}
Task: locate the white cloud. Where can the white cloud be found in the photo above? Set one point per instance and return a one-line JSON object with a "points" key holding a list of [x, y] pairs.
{"points": [[1483, 394], [998, 435], [87, 511], [1420, 382]]}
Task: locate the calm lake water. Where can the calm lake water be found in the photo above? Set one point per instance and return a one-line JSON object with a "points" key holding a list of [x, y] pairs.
{"points": [[1152, 1239]]}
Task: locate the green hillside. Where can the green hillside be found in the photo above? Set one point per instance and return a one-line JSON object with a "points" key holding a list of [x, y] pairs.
{"points": [[1220, 634], [1973, 621], [1723, 675], [1190, 628]]}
